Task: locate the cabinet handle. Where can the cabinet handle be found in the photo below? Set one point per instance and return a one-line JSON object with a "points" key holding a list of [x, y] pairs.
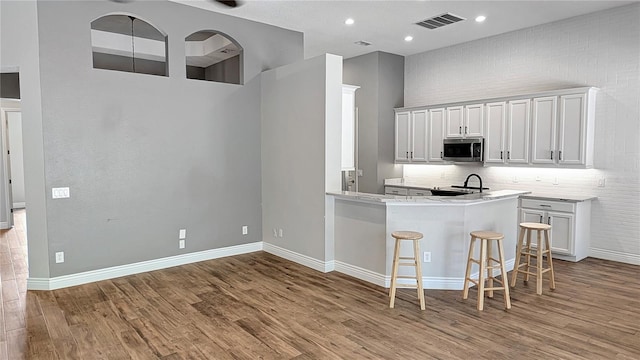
{"points": [[500, 154], [460, 130], [560, 155], [465, 130], [407, 154], [441, 155], [551, 154], [412, 154], [549, 220], [508, 155], [545, 205], [541, 219]]}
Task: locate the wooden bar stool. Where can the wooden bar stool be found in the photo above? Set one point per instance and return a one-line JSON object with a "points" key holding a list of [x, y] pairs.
{"points": [[542, 249], [486, 267], [415, 262]]}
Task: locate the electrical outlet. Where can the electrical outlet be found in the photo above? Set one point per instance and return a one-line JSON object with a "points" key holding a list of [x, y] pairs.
{"points": [[245, 230], [538, 178], [280, 232], [275, 232], [182, 244], [182, 234], [601, 182], [555, 181], [59, 257], [60, 193], [427, 256], [515, 179]]}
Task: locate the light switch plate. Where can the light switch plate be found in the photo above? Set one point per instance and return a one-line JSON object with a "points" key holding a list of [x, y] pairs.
{"points": [[181, 244], [182, 234], [245, 230], [59, 257], [60, 193]]}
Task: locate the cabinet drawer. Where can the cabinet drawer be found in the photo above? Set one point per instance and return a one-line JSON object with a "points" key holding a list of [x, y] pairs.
{"points": [[547, 205], [419, 192], [392, 190]]}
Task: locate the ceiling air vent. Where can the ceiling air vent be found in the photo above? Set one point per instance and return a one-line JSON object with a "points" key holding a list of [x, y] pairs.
{"points": [[362, 43], [440, 21]]}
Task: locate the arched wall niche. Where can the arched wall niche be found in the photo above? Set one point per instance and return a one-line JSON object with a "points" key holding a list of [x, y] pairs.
{"points": [[125, 42], [214, 56]]}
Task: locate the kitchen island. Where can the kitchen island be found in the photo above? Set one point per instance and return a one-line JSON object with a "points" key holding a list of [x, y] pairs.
{"points": [[363, 224]]}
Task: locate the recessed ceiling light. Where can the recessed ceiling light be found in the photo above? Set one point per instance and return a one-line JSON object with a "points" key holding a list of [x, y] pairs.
{"points": [[408, 38], [481, 18], [349, 21]]}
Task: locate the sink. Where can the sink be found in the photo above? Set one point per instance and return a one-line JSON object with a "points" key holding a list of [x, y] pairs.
{"points": [[443, 192]]}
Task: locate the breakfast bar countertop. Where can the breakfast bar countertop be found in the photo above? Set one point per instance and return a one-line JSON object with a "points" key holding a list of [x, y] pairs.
{"points": [[450, 200]]}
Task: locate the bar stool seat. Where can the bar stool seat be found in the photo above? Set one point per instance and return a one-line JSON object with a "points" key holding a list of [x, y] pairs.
{"points": [[542, 249], [487, 263], [409, 261]]}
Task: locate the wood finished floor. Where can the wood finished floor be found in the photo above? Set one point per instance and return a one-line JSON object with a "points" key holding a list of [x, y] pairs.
{"points": [[258, 306]]}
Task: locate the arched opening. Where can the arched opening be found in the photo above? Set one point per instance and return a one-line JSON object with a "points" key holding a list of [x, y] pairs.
{"points": [[127, 43], [213, 56]]}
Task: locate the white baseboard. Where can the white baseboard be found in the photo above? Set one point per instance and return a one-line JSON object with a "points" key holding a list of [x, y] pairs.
{"points": [[319, 265], [140, 267], [428, 282], [615, 256], [360, 273]]}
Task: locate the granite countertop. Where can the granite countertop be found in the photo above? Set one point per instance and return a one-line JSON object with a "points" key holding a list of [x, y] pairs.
{"points": [[555, 197], [397, 199]]}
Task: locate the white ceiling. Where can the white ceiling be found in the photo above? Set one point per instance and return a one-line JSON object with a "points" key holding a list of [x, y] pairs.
{"points": [[386, 23]]}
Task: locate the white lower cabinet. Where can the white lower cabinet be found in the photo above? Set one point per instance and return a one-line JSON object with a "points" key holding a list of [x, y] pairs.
{"points": [[570, 225]]}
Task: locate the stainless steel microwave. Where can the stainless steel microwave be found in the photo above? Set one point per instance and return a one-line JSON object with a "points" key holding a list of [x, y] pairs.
{"points": [[463, 150]]}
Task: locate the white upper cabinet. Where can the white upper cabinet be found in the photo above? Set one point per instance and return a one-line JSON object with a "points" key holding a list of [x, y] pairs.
{"points": [[473, 120], [436, 134], [507, 135], [563, 129], [455, 118], [465, 121], [403, 128], [418, 148], [518, 123], [348, 126], [494, 141], [411, 136], [545, 111], [572, 129], [419, 135], [548, 129]]}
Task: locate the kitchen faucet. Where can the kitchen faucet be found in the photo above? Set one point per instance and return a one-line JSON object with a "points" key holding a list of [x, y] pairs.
{"points": [[466, 181]]}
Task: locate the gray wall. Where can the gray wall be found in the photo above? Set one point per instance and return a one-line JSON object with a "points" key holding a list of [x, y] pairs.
{"points": [[147, 155], [301, 140], [381, 79]]}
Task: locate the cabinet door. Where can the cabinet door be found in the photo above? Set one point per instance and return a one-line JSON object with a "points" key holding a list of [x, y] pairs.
{"points": [[473, 121], [532, 216], [572, 130], [418, 139], [544, 130], [518, 132], [403, 127], [455, 117], [348, 127], [561, 232], [436, 134], [494, 138]]}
